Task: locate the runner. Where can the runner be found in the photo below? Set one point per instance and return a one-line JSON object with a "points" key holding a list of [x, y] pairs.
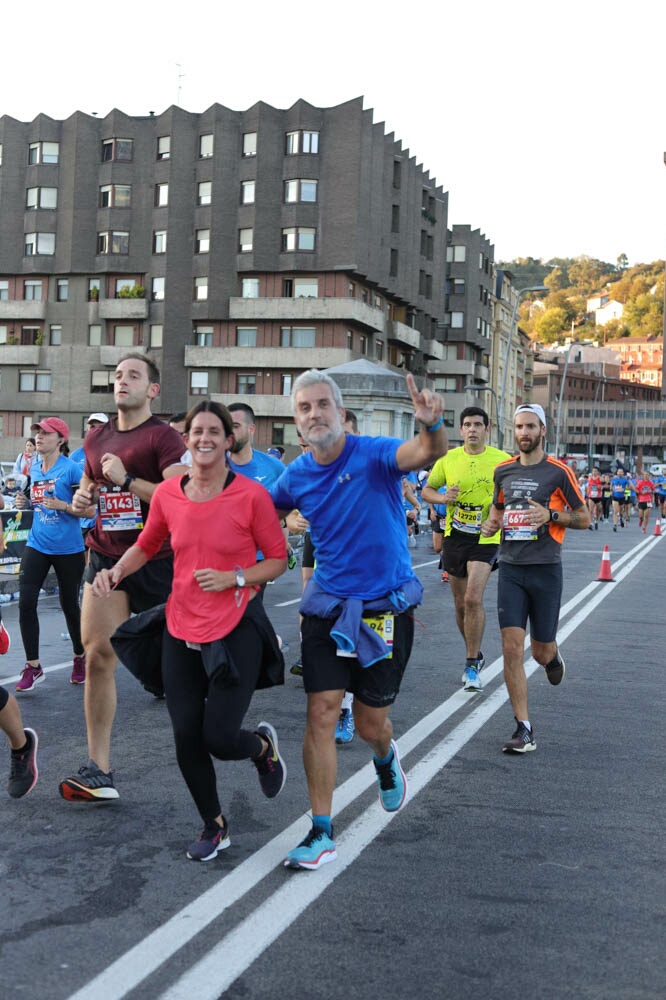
{"points": [[645, 498], [619, 485], [536, 497], [125, 459], [23, 744], [363, 569], [218, 645], [468, 557], [594, 493], [659, 482]]}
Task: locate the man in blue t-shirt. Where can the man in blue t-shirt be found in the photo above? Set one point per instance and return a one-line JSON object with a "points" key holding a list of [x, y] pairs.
{"points": [[357, 624], [618, 485]]}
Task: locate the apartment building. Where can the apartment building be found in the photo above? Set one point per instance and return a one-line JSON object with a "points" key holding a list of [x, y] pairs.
{"points": [[238, 248]]}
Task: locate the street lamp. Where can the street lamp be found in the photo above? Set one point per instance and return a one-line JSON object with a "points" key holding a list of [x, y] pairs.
{"points": [[514, 317], [483, 388], [590, 452], [632, 402], [574, 343]]}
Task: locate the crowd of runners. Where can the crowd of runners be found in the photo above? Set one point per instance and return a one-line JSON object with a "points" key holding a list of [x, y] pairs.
{"points": [[164, 535]]}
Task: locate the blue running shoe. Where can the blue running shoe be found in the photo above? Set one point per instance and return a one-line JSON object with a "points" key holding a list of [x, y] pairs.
{"points": [[345, 729], [473, 682], [392, 782], [315, 850], [478, 666]]}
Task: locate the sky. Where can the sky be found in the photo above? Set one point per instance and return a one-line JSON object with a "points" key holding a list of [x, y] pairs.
{"points": [[544, 121]]}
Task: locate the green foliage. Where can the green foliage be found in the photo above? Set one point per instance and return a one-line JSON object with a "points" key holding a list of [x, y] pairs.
{"points": [[135, 292], [551, 325]]}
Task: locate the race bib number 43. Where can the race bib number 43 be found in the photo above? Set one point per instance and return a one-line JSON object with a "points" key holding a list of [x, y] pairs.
{"points": [[517, 527], [119, 510]]}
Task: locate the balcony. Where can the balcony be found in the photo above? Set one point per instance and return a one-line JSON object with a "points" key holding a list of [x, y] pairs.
{"points": [[258, 358], [452, 367], [481, 373], [20, 310], [19, 354], [308, 309], [130, 309], [407, 336], [263, 406], [433, 349]]}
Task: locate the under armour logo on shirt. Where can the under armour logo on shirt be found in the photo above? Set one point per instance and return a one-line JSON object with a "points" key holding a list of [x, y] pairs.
{"points": [[346, 477]]}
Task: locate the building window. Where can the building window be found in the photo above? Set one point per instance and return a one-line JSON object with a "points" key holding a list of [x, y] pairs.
{"points": [[206, 143], [123, 287], [4, 291], [250, 288], [55, 336], [161, 195], [245, 237], [0, 154], [117, 149], [204, 192], [246, 336], [305, 288], [455, 286], [298, 238], [41, 197], [123, 336], [32, 291], [62, 290], [157, 289], [395, 218], [156, 334], [4, 333], [201, 289], [449, 418], [115, 242], [379, 350], [297, 336], [95, 334], [397, 173], [163, 147], [302, 142], [203, 336], [457, 320], [350, 340], [199, 383], [159, 241], [455, 254], [246, 385], [393, 264], [102, 381], [287, 381], [42, 244], [300, 190], [247, 192], [94, 285], [43, 152], [362, 344], [34, 381], [31, 336], [249, 144], [201, 240], [447, 384], [115, 196]]}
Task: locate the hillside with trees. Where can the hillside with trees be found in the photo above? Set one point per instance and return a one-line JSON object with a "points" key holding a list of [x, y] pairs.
{"points": [[572, 281]]}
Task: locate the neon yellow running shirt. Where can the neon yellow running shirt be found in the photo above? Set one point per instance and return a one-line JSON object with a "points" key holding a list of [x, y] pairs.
{"points": [[474, 475]]}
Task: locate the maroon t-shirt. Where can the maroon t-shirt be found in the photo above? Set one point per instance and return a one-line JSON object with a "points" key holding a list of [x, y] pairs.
{"points": [[145, 451]]}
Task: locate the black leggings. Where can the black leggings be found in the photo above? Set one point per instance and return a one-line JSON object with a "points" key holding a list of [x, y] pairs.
{"points": [[206, 716], [34, 569]]}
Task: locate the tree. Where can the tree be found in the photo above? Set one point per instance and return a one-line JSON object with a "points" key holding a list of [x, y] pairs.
{"points": [[622, 262], [552, 325]]}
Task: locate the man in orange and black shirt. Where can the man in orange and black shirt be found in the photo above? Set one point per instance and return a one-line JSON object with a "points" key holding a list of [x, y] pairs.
{"points": [[535, 499]]}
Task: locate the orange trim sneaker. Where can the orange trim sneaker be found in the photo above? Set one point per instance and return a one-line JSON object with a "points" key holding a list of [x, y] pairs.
{"points": [[91, 784]]}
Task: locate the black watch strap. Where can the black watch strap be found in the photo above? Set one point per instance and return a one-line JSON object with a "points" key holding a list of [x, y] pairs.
{"points": [[127, 483]]}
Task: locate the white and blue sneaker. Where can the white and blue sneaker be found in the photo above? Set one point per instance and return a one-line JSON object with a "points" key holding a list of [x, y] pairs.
{"points": [[392, 782], [315, 850], [478, 666], [345, 729], [472, 680]]}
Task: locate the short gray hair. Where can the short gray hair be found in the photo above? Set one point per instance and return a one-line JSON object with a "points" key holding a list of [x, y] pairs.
{"points": [[315, 377]]}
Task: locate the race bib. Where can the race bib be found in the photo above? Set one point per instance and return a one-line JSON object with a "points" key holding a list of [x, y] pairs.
{"points": [[467, 518], [384, 626], [40, 490], [517, 527], [119, 509]]}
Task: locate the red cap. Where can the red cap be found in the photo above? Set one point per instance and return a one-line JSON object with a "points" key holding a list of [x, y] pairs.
{"points": [[51, 424]]}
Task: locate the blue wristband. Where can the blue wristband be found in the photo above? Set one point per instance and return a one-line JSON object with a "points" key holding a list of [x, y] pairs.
{"points": [[435, 427]]}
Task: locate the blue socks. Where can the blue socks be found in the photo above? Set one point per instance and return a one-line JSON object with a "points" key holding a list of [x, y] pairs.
{"points": [[324, 823]]}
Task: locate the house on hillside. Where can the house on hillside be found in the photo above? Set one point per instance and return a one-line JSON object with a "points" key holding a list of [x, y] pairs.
{"points": [[610, 310]]}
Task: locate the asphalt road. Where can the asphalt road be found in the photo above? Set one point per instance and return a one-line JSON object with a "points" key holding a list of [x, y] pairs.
{"points": [[540, 876]]}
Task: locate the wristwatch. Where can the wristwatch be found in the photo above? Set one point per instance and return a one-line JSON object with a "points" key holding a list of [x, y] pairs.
{"points": [[554, 514], [127, 482], [240, 579]]}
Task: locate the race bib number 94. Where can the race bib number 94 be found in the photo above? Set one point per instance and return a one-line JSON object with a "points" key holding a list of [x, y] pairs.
{"points": [[119, 510], [517, 527]]}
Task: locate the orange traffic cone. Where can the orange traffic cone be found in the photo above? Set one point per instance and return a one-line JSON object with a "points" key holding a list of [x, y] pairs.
{"points": [[657, 527], [605, 568]]}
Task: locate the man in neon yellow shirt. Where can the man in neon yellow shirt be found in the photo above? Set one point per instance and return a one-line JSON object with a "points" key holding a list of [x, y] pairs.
{"points": [[468, 557]]}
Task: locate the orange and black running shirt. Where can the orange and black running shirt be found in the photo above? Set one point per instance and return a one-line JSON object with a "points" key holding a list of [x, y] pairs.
{"points": [[549, 483]]}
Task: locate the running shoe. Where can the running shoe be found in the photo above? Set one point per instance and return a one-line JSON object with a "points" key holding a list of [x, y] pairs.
{"points": [[78, 670], [214, 838], [23, 768], [472, 680], [392, 782], [271, 768], [5, 641], [445, 577], [478, 666], [297, 668], [615, 527], [30, 676], [522, 740], [555, 671], [596, 525], [90, 785], [315, 850], [345, 729]]}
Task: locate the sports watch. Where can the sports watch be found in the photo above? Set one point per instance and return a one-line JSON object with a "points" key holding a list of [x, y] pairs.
{"points": [[554, 514], [240, 579]]}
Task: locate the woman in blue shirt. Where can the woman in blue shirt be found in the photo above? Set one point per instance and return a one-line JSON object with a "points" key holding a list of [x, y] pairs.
{"points": [[55, 540]]}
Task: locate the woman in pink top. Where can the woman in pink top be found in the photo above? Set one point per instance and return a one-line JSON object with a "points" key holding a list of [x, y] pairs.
{"points": [[644, 494], [219, 645]]}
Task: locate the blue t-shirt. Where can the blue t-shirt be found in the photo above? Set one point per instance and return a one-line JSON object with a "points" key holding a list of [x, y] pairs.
{"points": [[264, 469], [618, 485], [53, 532], [357, 523], [79, 458], [659, 485]]}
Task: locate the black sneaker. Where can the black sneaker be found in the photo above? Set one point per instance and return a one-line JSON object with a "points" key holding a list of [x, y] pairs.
{"points": [[296, 668], [90, 785], [271, 768], [23, 768], [522, 740], [555, 671], [214, 838]]}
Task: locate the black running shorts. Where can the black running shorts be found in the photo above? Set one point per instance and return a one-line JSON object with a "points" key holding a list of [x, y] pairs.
{"points": [[149, 586], [457, 552], [530, 591]]}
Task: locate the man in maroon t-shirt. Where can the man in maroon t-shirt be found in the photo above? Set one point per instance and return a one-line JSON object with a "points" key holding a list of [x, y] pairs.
{"points": [[125, 459]]}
